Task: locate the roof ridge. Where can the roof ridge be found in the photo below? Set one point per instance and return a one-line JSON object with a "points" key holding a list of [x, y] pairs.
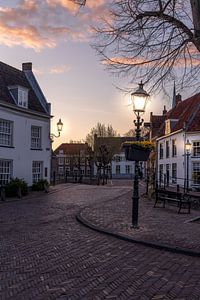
{"points": [[10, 67]]}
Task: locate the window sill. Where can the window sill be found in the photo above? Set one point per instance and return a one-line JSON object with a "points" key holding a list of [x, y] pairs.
{"points": [[4, 146], [36, 149]]}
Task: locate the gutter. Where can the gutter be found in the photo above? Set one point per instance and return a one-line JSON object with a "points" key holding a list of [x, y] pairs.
{"points": [[170, 134], [24, 110]]}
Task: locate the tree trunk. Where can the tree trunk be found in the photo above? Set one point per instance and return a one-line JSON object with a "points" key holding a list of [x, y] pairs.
{"points": [[195, 5]]}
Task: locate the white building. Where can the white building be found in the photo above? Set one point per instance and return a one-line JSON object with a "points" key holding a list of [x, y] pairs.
{"points": [[181, 126], [119, 166], [25, 148]]}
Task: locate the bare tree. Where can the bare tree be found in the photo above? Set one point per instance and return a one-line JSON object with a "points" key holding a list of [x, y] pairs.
{"points": [[100, 130], [103, 157], [156, 41]]}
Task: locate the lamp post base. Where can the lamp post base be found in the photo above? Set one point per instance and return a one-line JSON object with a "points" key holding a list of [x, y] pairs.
{"points": [[134, 226]]}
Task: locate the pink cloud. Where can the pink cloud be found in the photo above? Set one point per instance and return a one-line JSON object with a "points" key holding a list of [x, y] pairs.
{"points": [[60, 69], [37, 25]]}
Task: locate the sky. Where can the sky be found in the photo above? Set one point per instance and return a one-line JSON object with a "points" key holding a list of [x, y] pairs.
{"points": [[56, 37]]}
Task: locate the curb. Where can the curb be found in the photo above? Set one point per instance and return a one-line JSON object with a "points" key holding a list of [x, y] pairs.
{"points": [[126, 238]]}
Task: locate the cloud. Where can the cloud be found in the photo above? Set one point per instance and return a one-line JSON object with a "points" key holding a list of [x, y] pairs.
{"points": [[53, 70], [60, 69], [42, 24]]}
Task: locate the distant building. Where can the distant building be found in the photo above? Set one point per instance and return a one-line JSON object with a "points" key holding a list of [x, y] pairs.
{"points": [[25, 147], [73, 159], [119, 167]]}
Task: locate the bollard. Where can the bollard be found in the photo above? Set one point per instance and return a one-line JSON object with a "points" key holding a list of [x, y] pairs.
{"points": [[46, 188], [2, 194], [19, 192]]}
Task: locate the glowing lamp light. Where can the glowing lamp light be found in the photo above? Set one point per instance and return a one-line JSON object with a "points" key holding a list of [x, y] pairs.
{"points": [[187, 146], [59, 126], [139, 99]]}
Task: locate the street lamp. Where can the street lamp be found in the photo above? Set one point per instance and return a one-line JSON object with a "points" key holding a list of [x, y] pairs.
{"points": [[139, 100], [187, 149], [59, 129]]}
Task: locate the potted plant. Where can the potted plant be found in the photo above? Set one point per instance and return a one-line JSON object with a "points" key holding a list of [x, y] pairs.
{"points": [[138, 150]]}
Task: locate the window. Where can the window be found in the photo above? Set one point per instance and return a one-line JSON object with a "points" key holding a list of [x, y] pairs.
{"points": [[161, 150], [61, 151], [36, 137], [118, 158], [60, 170], [5, 171], [167, 149], [167, 126], [161, 173], [61, 160], [128, 169], [174, 172], [23, 97], [174, 149], [82, 172], [167, 174], [6, 132], [67, 160], [117, 169], [196, 148], [196, 173], [37, 171]]}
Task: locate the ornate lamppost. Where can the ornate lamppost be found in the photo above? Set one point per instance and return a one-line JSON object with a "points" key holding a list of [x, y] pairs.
{"points": [[187, 149], [53, 157], [139, 100], [59, 129]]}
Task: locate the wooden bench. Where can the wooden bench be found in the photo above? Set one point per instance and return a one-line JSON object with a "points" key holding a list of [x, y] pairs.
{"points": [[171, 197]]}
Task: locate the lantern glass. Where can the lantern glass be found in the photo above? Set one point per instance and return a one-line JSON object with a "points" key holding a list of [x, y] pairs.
{"points": [[188, 146], [59, 125], [139, 99]]}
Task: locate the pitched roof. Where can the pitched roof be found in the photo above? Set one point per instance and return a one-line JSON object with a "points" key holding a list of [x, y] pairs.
{"points": [[114, 143], [10, 76], [156, 123], [186, 113], [71, 148]]}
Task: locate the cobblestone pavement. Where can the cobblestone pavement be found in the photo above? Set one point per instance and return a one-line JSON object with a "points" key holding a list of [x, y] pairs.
{"points": [[46, 254], [162, 226]]}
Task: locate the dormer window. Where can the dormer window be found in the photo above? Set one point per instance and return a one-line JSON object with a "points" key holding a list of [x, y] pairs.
{"points": [[23, 97], [19, 95], [169, 125]]}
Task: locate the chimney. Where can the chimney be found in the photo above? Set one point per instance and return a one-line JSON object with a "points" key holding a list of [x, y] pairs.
{"points": [[178, 98], [27, 66], [164, 110]]}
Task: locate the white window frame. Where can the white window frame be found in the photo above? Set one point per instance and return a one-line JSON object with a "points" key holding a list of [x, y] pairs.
{"points": [[22, 97], [36, 137], [196, 148], [118, 169], [6, 133], [61, 161], [161, 151], [196, 172], [37, 171], [174, 148], [5, 171], [174, 172], [128, 169]]}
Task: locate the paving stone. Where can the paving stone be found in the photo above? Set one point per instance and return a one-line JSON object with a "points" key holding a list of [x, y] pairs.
{"points": [[46, 254]]}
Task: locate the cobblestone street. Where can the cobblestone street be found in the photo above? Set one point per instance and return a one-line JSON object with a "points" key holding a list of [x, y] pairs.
{"points": [[46, 254]]}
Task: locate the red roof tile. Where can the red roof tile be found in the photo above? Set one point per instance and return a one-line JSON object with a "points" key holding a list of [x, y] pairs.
{"points": [[71, 148], [187, 113]]}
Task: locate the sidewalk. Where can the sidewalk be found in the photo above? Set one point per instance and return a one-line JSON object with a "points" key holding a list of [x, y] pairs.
{"points": [[162, 228]]}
